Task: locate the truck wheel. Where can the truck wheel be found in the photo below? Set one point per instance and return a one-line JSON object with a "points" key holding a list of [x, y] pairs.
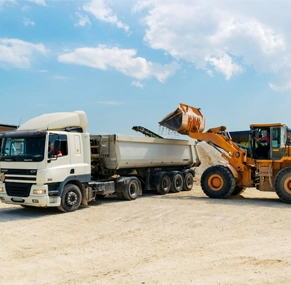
{"points": [[132, 189], [164, 185], [237, 190], [217, 182], [177, 182], [188, 181], [71, 198], [282, 184]]}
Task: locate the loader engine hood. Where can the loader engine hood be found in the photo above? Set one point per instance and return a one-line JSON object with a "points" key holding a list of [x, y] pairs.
{"points": [[184, 119]]}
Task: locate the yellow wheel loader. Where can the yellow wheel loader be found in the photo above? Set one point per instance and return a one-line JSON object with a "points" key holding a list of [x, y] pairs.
{"points": [[263, 164]]}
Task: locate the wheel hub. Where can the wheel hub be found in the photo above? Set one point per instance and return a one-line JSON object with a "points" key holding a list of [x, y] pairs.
{"points": [[72, 198], [215, 182], [287, 185]]}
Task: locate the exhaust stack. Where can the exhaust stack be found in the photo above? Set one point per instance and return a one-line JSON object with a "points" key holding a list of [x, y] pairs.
{"points": [[184, 119]]}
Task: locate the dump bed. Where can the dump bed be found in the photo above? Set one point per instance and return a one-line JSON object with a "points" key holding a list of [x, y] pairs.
{"points": [[124, 151]]}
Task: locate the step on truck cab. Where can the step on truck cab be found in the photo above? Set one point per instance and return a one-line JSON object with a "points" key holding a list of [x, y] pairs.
{"points": [[52, 161]]}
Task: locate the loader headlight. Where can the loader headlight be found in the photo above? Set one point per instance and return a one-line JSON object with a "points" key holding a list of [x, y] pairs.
{"points": [[39, 191]]}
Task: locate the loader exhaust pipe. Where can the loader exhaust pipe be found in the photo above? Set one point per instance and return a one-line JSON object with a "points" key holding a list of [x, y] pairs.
{"points": [[184, 119]]}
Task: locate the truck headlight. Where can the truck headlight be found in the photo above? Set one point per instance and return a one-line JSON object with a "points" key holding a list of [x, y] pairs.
{"points": [[39, 191], [1, 189]]}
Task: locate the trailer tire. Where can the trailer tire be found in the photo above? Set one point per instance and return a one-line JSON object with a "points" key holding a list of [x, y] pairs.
{"points": [[164, 185], [188, 181], [132, 189], [71, 198], [217, 182], [282, 184], [177, 182]]}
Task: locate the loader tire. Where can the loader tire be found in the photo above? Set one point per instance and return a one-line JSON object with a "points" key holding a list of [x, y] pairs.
{"points": [[188, 181], [238, 190], [164, 185], [177, 182], [71, 198], [217, 182], [282, 184]]}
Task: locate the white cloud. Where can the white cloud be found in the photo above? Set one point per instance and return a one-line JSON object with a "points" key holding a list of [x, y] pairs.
{"points": [[4, 2], [122, 60], [18, 53], [137, 84], [100, 10], [83, 20], [38, 2], [225, 65], [28, 22], [229, 36]]}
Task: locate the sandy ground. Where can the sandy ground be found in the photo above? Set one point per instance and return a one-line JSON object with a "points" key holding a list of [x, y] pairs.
{"points": [[181, 238]]}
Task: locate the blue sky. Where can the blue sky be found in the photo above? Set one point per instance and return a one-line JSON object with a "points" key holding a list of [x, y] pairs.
{"points": [[128, 63]]}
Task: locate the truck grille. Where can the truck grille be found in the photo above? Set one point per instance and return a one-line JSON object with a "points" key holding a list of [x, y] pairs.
{"points": [[18, 189]]}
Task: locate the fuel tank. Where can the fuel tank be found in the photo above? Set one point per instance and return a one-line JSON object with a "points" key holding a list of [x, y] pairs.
{"points": [[184, 119]]}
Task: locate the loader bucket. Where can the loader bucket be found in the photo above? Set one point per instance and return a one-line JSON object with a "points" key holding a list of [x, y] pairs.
{"points": [[184, 119]]}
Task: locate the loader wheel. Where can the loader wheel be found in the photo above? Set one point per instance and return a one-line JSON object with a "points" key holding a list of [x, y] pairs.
{"points": [[71, 198], [177, 182], [164, 185], [282, 184], [237, 190], [217, 182], [188, 181], [132, 189]]}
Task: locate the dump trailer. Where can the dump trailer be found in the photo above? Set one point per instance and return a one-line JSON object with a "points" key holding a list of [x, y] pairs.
{"points": [[264, 162], [52, 161]]}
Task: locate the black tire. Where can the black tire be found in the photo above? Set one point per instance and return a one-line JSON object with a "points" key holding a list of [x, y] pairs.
{"points": [[177, 182], [71, 198], [164, 185], [132, 189], [217, 182], [188, 181], [238, 190], [282, 184], [120, 195]]}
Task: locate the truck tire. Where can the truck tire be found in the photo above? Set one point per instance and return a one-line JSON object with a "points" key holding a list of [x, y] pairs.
{"points": [[71, 198], [188, 181], [217, 182], [282, 184], [132, 189], [164, 185], [177, 182]]}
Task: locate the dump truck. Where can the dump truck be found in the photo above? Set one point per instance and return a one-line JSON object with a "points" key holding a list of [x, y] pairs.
{"points": [[52, 161], [263, 163]]}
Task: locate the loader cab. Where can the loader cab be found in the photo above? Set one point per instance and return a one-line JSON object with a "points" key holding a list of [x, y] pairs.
{"points": [[273, 149]]}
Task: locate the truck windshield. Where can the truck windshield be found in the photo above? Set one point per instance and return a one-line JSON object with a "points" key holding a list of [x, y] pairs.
{"points": [[22, 148]]}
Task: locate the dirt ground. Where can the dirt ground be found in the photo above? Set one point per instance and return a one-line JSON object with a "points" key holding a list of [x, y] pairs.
{"points": [[181, 238]]}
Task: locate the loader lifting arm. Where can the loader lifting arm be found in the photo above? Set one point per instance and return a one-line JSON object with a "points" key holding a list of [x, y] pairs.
{"points": [[189, 120]]}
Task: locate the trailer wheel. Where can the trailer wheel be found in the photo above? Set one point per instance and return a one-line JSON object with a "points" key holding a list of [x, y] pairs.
{"points": [[217, 182], [71, 198], [177, 182], [132, 189], [282, 184], [188, 181], [164, 185]]}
